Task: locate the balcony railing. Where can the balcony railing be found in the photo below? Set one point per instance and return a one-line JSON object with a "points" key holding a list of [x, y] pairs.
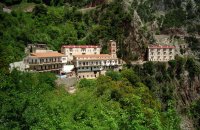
{"points": [[89, 64], [102, 64], [45, 70], [37, 63]]}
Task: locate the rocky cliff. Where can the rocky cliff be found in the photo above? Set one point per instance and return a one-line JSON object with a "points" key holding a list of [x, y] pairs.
{"points": [[186, 92]]}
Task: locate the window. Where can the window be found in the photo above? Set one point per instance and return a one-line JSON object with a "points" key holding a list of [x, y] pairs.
{"points": [[70, 49], [151, 50], [83, 50]]}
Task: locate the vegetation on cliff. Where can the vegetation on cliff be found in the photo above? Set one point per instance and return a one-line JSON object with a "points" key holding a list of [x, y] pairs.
{"points": [[31, 101], [151, 96]]}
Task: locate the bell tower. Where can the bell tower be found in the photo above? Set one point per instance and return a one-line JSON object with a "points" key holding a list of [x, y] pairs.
{"points": [[113, 48]]}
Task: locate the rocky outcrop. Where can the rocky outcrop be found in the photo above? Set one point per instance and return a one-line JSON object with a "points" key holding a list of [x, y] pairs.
{"points": [[137, 40], [187, 91]]}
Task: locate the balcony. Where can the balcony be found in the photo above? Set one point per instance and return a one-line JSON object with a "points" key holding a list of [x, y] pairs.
{"points": [[89, 65], [48, 70], [42, 63]]}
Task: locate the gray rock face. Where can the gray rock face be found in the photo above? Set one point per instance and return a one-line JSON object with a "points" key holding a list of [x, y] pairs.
{"points": [[137, 39]]}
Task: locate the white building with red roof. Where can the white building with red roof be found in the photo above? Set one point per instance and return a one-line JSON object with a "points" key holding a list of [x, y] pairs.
{"points": [[49, 61], [71, 50], [162, 53], [91, 66], [88, 61]]}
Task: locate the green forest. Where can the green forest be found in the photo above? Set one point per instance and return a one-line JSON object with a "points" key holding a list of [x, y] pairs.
{"points": [[140, 97]]}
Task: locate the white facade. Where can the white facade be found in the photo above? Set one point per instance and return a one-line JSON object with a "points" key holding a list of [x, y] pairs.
{"points": [[87, 60], [71, 50], [21, 66], [161, 53], [91, 66]]}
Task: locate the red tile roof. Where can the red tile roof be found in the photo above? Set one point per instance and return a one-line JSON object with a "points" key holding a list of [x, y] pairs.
{"points": [[47, 54], [160, 46], [80, 46]]}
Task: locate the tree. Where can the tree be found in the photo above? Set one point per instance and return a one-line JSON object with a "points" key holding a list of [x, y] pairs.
{"points": [[40, 10], [149, 68], [194, 111], [114, 75], [174, 18], [12, 2], [130, 75], [180, 66], [193, 67]]}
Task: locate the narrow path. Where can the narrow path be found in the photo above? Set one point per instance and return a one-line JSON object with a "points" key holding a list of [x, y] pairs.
{"points": [[69, 84]]}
